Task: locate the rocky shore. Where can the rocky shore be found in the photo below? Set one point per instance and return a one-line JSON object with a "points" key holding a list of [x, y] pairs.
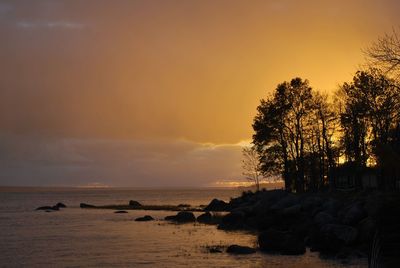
{"points": [[340, 225], [335, 224]]}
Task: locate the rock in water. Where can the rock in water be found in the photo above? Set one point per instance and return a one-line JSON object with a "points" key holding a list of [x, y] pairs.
{"points": [[134, 203], [83, 205], [61, 205], [120, 211], [233, 221], [205, 218], [236, 249], [217, 205], [145, 218], [48, 208], [170, 218], [182, 217]]}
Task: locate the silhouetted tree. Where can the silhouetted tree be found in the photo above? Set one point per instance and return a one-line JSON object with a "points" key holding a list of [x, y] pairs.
{"points": [[385, 53], [370, 112], [281, 128], [251, 165], [326, 120]]}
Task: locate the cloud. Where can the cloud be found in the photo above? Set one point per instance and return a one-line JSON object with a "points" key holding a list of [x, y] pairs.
{"points": [[49, 25], [27, 160], [5, 8]]}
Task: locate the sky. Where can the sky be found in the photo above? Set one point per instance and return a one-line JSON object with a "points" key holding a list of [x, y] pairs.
{"points": [[160, 93]]}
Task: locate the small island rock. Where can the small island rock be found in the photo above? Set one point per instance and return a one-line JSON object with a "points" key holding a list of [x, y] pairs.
{"points": [[145, 218], [182, 217], [236, 249], [120, 211], [133, 203]]}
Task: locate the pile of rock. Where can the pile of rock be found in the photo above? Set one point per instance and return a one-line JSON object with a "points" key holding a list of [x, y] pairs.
{"points": [[288, 223]]}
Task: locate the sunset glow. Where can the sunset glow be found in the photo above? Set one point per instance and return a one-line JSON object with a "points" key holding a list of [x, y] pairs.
{"points": [[128, 94]]}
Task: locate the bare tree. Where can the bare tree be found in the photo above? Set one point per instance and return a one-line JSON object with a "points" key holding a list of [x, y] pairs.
{"points": [[251, 165], [385, 53]]}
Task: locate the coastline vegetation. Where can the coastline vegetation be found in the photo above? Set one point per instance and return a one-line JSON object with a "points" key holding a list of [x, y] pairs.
{"points": [[350, 139]]}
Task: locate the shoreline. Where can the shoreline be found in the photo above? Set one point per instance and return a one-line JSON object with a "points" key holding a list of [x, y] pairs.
{"points": [[339, 225]]}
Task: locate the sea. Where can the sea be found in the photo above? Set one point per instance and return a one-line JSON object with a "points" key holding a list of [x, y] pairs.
{"points": [[75, 237]]}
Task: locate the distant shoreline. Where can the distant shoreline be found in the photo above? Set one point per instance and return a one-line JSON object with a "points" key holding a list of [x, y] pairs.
{"points": [[166, 188]]}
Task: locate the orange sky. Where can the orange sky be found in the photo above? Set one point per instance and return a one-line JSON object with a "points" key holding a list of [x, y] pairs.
{"points": [[162, 72]]}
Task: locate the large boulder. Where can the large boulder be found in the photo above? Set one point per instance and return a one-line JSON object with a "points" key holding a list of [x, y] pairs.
{"points": [[323, 218], [331, 238], [332, 206], [292, 211], [182, 217], [232, 221], [366, 230], [268, 220], [311, 203], [354, 214], [279, 241], [206, 218], [145, 218], [133, 203], [344, 233], [285, 202], [236, 249], [217, 205]]}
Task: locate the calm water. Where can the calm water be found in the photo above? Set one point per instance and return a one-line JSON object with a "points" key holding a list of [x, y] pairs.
{"points": [[76, 237]]}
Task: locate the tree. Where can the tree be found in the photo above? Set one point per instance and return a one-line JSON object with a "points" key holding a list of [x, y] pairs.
{"points": [[326, 121], [281, 128], [251, 165], [385, 53], [370, 114]]}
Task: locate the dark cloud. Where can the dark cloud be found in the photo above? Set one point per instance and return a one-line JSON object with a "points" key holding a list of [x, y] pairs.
{"points": [[78, 162]]}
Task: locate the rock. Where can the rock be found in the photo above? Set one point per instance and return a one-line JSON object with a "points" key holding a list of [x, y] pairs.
{"points": [[217, 205], [61, 205], [285, 202], [271, 240], [331, 238], [294, 210], [120, 211], [48, 208], [293, 246], [236, 249], [268, 220], [354, 215], [374, 204], [344, 233], [205, 218], [145, 218], [310, 203], [331, 206], [323, 218], [279, 241], [302, 228], [209, 218], [182, 217], [232, 221], [183, 206], [83, 205], [170, 218], [133, 203], [366, 230]]}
